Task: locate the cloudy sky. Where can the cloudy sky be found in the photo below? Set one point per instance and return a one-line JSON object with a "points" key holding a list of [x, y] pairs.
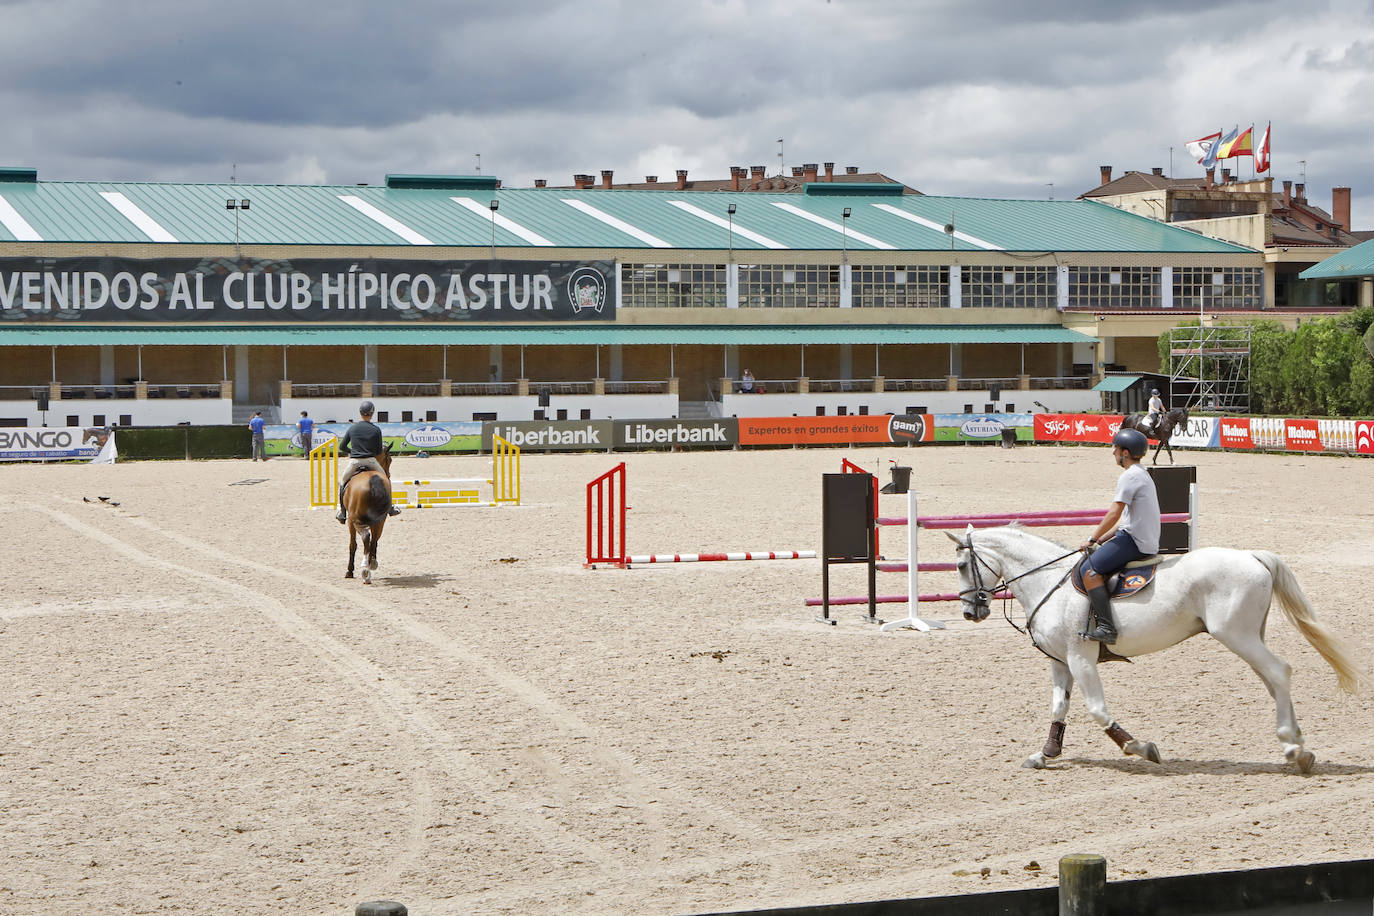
{"points": [[989, 98]]}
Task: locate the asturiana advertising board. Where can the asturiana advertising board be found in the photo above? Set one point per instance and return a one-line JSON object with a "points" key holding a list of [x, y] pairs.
{"points": [[446, 437]]}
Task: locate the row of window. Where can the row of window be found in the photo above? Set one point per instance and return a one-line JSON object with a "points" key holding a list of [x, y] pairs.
{"points": [[980, 286]]}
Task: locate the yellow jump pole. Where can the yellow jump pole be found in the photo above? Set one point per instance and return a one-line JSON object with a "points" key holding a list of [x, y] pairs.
{"points": [[505, 476], [324, 475]]}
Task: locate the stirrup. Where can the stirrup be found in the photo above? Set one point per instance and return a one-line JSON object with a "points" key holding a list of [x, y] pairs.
{"points": [[1102, 632], [394, 511]]}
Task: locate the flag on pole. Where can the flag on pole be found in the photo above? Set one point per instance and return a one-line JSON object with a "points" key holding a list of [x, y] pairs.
{"points": [[1202, 147], [1242, 145], [1262, 151], [1219, 151]]}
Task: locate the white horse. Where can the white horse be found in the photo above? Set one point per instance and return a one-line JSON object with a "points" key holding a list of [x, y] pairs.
{"points": [[1223, 592]]}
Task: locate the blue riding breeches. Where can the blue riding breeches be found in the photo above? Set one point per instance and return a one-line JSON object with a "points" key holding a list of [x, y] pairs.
{"points": [[1114, 554]]}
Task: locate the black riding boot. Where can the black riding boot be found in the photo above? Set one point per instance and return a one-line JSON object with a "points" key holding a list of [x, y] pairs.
{"points": [[1104, 626], [342, 514]]}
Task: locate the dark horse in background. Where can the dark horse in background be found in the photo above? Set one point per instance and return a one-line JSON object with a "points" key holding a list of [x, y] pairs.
{"points": [[367, 498], [1168, 422]]}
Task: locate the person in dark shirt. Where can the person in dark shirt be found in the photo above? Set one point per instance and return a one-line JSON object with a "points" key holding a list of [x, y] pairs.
{"points": [[363, 442]]}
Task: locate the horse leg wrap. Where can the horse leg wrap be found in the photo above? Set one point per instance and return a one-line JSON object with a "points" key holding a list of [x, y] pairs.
{"points": [[1054, 745], [1119, 735]]}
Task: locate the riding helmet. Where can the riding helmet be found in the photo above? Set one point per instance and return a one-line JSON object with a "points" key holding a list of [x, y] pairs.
{"points": [[1154, 392], [366, 409], [1132, 440]]}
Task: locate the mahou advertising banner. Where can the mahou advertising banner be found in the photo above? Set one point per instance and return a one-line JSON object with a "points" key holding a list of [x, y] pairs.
{"points": [[1235, 433], [351, 291], [1301, 436], [1076, 427]]}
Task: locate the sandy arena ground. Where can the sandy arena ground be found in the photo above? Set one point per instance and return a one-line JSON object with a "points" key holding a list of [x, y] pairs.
{"points": [[203, 716]]}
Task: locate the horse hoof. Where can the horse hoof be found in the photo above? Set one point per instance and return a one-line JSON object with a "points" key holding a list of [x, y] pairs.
{"points": [[371, 564], [348, 575], [1034, 762], [1304, 759], [1144, 749]]}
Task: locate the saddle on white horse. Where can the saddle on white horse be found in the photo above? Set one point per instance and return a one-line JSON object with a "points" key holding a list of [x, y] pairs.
{"points": [[1130, 579]]}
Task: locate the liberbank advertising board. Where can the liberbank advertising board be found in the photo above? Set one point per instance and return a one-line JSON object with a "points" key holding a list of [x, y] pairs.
{"points": [[325, 291]]}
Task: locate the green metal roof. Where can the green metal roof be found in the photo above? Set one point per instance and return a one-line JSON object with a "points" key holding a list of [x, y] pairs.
{"points": [[1346, 265], [1116, 383], [536, 336], [455, 215]]}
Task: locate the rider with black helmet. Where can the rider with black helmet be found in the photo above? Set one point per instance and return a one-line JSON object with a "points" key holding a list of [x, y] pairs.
{"points": [[363, 442], [1136, 507]]}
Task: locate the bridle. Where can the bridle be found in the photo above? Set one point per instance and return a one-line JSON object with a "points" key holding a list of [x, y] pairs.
{"points": [[981, 600]]}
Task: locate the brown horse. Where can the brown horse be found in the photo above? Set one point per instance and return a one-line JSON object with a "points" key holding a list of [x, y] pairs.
{"points": [[1163, 432], [367, 498]]}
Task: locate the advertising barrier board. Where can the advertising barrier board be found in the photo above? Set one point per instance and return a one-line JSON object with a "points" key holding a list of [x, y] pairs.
{"points": [[668, 434], [551, 435], [51, 443], [447, 437], [1076, 427]]}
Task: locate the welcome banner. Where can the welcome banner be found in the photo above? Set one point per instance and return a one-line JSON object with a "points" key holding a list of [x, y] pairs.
{"points": [[349, 291]]}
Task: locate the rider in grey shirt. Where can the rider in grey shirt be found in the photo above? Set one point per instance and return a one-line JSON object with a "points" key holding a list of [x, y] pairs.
{"points": [[1136, 509]]}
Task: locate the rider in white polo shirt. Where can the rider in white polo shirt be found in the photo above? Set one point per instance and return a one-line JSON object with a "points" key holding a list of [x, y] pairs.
{"points": [[1136, 507]]}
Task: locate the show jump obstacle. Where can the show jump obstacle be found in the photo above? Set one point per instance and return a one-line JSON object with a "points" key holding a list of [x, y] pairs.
{"points": [[1169, 481], [502, 488], [606, 515]]}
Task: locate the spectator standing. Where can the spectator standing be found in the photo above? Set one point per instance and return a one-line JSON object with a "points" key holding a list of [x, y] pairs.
{"points": [[259, 444], [746, 382], [306, 426]]}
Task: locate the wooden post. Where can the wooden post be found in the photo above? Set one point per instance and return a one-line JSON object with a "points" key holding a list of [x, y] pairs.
{"points": [[380, 908], [1083, 885]]}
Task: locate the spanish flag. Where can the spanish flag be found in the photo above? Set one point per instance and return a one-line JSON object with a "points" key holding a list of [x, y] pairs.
{"points": [[1240, 146]]}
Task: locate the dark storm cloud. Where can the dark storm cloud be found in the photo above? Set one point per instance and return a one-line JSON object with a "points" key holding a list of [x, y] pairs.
{"points": [[973, 98]]}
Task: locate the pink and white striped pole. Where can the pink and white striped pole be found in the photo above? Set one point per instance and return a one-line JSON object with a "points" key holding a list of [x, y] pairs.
{"points": [[712, 557]]}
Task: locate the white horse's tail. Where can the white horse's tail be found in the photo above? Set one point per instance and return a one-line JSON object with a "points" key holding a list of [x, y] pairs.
{"points": [[1301, 614]]}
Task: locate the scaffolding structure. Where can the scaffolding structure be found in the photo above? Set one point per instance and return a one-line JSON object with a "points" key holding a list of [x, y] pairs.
{"points": [[1209, 368]]}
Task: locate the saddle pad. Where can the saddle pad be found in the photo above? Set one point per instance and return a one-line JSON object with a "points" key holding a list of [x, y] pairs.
{"points": [[1136, 576]]}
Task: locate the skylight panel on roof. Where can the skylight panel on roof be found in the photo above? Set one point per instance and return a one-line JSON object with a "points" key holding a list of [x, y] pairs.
{"points": [[509, 225], [382, 219], [134, 214], [616, 223], [739, 230], [931, 224], [16, 224], [831, 224]]}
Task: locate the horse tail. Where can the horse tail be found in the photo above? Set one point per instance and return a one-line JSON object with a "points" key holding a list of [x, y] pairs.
{"points": [[1301, 614], [378, 501]]}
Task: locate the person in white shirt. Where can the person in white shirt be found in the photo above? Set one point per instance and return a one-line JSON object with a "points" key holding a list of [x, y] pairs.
{"points": [[1136, 508], [1156, 410]]}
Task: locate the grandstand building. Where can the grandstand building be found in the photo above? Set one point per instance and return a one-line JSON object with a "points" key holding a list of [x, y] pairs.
{"points": [[453, 298]]}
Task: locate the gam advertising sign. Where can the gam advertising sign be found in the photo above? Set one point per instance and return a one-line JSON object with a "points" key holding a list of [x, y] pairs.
{"points": [[845, 430], [222, 290]]}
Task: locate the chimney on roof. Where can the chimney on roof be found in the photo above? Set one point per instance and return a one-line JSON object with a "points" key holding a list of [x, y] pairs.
{"points": [[809, 170], [1300, 192], [830, 171], [1287, 193], [651, 179], [682, 179], [1157, 171], [737, 172], [541, 182], [1340, 207], [1225, 176], [606, 177], [757, 172], [1106, 171], [796, 171], [582, 182], [851, 170], [1211, 177]]}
